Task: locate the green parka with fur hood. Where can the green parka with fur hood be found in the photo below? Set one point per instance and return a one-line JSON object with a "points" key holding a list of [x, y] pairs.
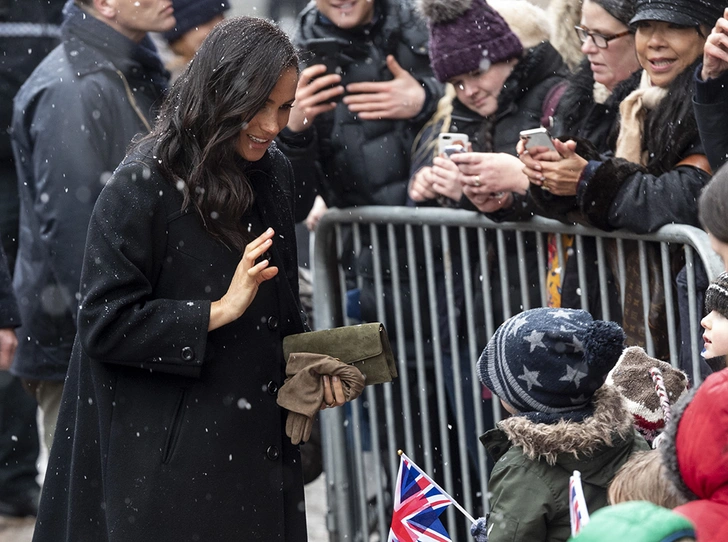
{"points": [[530, 482]]}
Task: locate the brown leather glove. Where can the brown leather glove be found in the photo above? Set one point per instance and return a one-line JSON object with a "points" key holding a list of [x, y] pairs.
{"points": [[303, 391]]}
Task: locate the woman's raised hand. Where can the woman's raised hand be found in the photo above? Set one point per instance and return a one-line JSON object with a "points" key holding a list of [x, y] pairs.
{"points": [[244, 285]]}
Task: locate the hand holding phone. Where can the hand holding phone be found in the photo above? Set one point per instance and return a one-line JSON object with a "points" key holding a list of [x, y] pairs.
{"points": [[537, 137]]}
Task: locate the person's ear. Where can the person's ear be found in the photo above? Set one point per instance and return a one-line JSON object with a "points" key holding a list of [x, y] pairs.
{"points": [[106, 8]]}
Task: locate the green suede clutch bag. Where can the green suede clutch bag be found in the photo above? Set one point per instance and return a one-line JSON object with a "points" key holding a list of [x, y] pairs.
{"points": [[365, 346]]}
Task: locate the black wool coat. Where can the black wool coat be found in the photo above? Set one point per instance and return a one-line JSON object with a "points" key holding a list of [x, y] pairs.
{"points": [[167, 432]]}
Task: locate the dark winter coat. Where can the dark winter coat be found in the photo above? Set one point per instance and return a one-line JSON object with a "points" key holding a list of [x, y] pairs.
{"points": [[696, 455], [710, 104], [353, 161], [167, 432], [621, 195], [9, 315], [530, 480], [73, 121]]}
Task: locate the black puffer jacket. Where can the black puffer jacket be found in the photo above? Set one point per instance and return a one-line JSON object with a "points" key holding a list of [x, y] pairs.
{"points": [[352, 161]]}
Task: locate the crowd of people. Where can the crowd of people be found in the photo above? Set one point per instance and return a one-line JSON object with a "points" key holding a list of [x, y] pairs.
{"points": [[163, 155]]}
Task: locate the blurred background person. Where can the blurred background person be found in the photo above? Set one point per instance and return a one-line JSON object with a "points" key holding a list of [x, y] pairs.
{"points": [[194, 20], [72, 122], [29, 30]]}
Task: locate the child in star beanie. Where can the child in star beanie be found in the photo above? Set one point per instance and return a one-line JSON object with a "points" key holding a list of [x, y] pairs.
{"points": [[547, 363], [548, 366]]}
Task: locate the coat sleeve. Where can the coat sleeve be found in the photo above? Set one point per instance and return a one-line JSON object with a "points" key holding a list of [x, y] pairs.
{"points": [[710, 103], [68, 150], [622, 195], [9, 315], [301, 149], [120, 319], [520, 506]]}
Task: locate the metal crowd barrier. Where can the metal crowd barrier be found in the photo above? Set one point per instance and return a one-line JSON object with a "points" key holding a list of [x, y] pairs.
{"points": [[448, 270]]}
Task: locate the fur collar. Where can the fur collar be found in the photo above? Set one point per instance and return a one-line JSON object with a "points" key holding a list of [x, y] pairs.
{"points": [[575, 115], [564, 15], [611, 421], [668, 450]]}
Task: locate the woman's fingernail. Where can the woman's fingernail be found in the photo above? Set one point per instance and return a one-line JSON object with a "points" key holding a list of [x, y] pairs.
{"points": [[334, 379]]}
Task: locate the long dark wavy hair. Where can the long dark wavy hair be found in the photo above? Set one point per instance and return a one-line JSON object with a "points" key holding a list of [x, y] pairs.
{"points": [[196, 134]]}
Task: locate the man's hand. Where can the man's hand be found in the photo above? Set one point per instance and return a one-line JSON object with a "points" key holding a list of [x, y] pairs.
{"points": [[8, 344], [715, 51], [400, 98], [313, 96]]}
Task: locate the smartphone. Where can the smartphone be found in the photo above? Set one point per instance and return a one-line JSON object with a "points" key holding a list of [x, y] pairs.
{"points": [[538, 137], [326, 51], [454, 149], [451, 139]]}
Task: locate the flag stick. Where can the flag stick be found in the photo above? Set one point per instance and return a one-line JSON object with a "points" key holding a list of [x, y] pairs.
{"points": [[457, 505]]}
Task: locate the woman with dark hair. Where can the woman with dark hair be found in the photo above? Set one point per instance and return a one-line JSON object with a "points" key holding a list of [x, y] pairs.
{"points": [[169, 428]]}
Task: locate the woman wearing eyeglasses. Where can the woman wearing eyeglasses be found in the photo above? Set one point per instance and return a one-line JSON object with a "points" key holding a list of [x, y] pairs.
{"points": [[588, 110], [658, 167]]}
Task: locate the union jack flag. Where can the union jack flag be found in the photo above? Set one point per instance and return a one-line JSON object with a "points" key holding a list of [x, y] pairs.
{"points": [[418, 503], [578, 512]]}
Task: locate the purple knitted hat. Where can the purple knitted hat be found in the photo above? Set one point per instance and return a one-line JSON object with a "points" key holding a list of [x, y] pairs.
{"points": [[467, 35]]}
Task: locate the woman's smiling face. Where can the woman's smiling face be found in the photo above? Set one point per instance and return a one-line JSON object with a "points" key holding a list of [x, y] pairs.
{"points": [[665, 50]]}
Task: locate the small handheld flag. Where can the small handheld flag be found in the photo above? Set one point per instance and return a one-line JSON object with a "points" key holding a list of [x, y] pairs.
{"points": [[418, 504], [578, 512]]}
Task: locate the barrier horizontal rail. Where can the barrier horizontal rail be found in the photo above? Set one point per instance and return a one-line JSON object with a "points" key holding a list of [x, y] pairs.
{"points": [[358, 505]]}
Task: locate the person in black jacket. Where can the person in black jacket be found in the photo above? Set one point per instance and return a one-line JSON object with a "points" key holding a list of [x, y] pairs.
{"points": [[350, 134], [171, 429], [73, 120]]}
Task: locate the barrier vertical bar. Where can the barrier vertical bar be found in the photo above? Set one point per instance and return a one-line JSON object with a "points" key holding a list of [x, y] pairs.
{"points": [[419, 350], [602, 263]]}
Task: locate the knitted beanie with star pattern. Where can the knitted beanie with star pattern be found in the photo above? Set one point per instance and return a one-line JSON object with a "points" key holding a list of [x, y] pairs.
{"points": [[547, 363]]}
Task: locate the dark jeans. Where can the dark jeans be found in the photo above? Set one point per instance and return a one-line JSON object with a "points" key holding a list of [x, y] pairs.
{"points": [[19, 445]]}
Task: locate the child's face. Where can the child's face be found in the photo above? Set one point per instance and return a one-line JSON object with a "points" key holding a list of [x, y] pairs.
{"points": [[716, 335]]}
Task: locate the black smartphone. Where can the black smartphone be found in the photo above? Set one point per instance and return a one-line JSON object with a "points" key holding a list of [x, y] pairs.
{"points": [[326, 51]]}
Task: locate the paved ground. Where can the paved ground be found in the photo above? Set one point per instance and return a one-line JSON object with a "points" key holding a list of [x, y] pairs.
{"points": [[22, 530]]}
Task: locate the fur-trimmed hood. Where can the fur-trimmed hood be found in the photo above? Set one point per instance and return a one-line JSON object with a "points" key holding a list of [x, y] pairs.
{"points": [[564, 16], [704, 459], [528, 21], [566, 441]]}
